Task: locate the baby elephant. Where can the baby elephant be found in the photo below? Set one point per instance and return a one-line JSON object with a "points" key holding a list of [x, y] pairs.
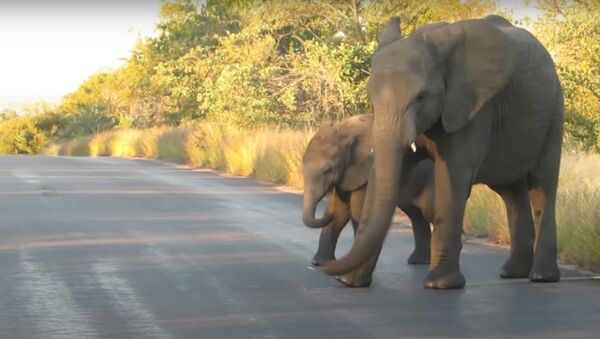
{"points": [[336, 163]]}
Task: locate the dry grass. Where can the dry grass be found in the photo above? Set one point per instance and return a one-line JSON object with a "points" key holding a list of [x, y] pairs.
{"points": [[100, 144], [578, 210], [281, 158], [171, 145], [240, 150], [124, 143], [485, 215], [147, 143], [52, 149], [204, 146], [77, 147]]}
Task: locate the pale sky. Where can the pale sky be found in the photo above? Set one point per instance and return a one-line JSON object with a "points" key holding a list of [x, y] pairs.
{"points": [[47, 48]]}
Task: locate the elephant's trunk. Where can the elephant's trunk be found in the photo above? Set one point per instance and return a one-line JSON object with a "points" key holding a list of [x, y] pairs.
{"points": [[389, 145], [308, 214]]}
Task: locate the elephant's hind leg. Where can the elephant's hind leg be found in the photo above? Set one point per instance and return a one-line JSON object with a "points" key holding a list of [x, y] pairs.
{"points": [[520, 223], [545, 268], [542, 194], [422, 235]]}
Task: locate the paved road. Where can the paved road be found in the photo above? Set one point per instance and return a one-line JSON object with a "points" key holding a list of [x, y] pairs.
{"points": [[118, 248]]}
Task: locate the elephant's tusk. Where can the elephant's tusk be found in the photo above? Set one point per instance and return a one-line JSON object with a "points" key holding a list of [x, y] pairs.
{"points": [[413, 146]]}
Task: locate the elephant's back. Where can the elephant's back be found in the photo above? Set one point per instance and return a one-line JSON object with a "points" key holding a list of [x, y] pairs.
{"points": [[357, 125]]}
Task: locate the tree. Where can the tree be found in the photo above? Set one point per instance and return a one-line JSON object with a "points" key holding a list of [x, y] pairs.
{"points": [[571, 31], [250, 62]]}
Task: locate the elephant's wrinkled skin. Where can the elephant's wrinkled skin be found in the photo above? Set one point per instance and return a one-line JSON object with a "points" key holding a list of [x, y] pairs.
{"points": [[483, 98], [336, 163]]}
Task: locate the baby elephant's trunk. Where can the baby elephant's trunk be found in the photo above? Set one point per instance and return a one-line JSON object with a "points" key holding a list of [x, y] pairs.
{"points": [[308, 215]]}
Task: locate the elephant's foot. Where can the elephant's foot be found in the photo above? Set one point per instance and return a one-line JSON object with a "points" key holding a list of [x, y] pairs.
{"points": [[544, 271], [319, 259], [516, 267], [353, 280], [419, 257], [444, 277]]}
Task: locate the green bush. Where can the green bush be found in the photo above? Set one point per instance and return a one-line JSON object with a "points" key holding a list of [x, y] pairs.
{"points": [[20, 135]]}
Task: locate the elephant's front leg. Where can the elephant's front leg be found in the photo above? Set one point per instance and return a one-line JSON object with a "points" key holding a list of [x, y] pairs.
{"points": [[452, 186], [362, 276], [330, 233]]}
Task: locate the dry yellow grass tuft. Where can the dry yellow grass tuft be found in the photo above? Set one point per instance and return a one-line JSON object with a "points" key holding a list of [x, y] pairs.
{"points": [[100, 144], [76, 147], [280, 161], [124, 143], [147, 142], [204, 146], [171, 145]]}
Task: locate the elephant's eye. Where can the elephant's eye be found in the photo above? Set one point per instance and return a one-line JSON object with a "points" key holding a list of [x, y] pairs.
{"points": [[420, 97], [327, 170]]}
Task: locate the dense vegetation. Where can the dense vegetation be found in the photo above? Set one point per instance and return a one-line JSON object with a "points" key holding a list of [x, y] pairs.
{"points": [[294, 63]]}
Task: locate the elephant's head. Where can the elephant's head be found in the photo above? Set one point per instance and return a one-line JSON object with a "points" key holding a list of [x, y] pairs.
{"points": [[441, 74], [338, 156]]}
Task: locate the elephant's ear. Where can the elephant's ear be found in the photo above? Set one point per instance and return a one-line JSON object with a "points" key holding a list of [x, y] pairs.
{"points": [[391, 32], [358, 163], [478, 59]]}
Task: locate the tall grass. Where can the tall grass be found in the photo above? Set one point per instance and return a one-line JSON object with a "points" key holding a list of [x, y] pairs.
{"points": [[578, 210], [275, 155], [171, 145], [75, 147], [281, 158], [124, 142], [481, 220], [204, 146]]}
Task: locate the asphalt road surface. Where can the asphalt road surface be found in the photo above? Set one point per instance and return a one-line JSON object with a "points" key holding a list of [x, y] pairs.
{"points": [[105, 247]]}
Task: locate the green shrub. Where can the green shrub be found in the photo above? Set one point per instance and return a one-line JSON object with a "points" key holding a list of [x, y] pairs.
{"points": [[21, 136]]}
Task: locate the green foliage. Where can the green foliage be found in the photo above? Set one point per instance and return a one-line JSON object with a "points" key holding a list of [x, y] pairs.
{"points": [[571, 31], [20, 135], [248, 63], [298, 63]]}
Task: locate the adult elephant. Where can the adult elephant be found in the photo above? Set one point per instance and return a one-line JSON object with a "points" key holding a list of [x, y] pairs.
{"points": [[484, 99]]}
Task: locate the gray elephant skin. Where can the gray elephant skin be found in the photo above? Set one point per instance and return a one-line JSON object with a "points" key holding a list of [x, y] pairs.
{"points": [[336, 164], [484, 99]]}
